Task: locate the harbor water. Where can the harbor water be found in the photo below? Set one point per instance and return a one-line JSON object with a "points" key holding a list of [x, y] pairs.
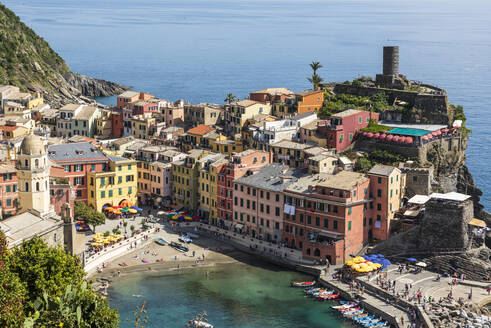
{"points": [[233, 295]]}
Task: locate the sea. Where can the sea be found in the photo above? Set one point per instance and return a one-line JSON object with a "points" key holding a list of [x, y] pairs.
{"points": [[233, 295], [200, 50]]}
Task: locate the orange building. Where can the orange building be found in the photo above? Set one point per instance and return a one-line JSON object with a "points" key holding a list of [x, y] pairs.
{"points": [[386, 192], [309, 101]]}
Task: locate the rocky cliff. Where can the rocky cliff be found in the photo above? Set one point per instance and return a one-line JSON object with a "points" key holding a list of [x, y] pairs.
{"points": [[27, 61]]}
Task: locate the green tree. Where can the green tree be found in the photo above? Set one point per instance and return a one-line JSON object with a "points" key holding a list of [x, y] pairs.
{"points": [[230, 98], [56, 291], [315, 80], [132, 228], [90, 215], [315, 66], [125, 224], [12, 292]]}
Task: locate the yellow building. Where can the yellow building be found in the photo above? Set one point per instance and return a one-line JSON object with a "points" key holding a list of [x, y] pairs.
{"points": [[227, 146], [237, 113], [207, 185], [142, 126], [185, 180], [35, 100], [195, 137], [103, 124], [114, 186]]}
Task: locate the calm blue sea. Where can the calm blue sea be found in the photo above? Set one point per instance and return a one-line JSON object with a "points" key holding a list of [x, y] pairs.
{"points": [[201, 50], [233, 295]]}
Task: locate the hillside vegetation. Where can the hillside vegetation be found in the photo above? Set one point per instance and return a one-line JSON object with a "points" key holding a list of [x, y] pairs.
{"points": [[27, 61]]}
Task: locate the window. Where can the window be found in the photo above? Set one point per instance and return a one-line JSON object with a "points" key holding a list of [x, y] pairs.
{"points": [[391, 193], [326, 223], [335, 225], [92, 193], [120, 191], [103, 194], [92, 167], [110, 193], [37, 186], [379, 180], [27, 186], [335, 208], [364, 222], [129, 166], [235, 201], [349, 225], [379, 217], [120, 167], [7, 188], [379, 192], [15, 188], [359, 120], [351, 136], [103, 182], [415, 179], [349, 210], [341, 137], [9, 202], [379, 207], [130, 190], [277, 197], [277, 211], [79, 193], [91, 181], [309, 219]]}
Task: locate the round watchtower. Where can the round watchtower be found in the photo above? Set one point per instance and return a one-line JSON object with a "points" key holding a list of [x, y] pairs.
{"points": [[391, 61]]}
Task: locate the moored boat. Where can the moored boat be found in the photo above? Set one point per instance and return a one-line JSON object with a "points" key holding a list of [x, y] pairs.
{"points": [[303, 283], [178, 246], [160, 241]]}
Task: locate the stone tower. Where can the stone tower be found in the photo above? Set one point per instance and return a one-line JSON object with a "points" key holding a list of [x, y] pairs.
{"points": [[33, 176], [69, 230], [390, 77]]}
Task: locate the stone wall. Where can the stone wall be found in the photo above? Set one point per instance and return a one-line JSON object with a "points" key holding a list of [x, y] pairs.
{"points": [[418, 181], [426, 108], [446, 224]]}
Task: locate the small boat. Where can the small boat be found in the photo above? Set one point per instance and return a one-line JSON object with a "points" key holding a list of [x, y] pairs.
{"points": [[203, 324], [160, 241], [178, 246], [303, 283], [345, 304], [325, 297], [192, 235], [185, 239]]}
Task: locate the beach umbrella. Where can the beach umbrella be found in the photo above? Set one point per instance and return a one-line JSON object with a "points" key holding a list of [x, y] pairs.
{"points": [[421, 264], [409, 140], [189, 218], [355, 267], [390, 137], [124, 210], [132, 211], [350, 263], [386, 262], [175, 217], [376, 135], [180, 218], [137, 208], [383, 136], [411, 259], [196, 217], [118, 212]]}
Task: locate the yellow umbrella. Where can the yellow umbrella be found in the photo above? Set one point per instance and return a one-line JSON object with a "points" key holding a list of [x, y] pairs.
{"points": [[175, 217], [356, 266], [117, 211], [106, 241], [132, 210], [188, 218], [349, 263]]}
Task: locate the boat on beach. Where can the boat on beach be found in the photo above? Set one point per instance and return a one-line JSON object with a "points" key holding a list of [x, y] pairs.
{"points": [[161, 241], [303, 283], [178, 246]]}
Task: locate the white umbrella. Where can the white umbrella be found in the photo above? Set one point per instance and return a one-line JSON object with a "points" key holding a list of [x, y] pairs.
{"points": [[421, 264]]}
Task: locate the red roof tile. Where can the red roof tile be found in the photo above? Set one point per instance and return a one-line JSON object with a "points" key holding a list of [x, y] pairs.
{"points": [[200, 130]]}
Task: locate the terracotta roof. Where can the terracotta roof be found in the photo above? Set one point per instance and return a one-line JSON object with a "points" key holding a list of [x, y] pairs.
{"points": [[201, 129], [11, 127]]}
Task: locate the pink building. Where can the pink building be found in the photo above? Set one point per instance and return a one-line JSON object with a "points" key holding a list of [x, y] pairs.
{"points": [[241, 163], [258, 201], [344, 126]]}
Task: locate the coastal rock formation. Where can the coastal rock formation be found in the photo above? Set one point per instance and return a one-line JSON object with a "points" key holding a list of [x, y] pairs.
{"points": [[27, 61]]}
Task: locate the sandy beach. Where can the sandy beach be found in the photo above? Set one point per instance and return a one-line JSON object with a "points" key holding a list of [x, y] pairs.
{"points": [[150, 256]]}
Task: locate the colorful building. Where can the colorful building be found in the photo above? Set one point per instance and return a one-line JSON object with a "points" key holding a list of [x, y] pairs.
{"points": [[324, 215], [185, 180], [74, 161], [258, 201], [195, 137], [113, 186], [309, 101], [207, 185], [142, 126], [342, 127], [239, 164], [289, 152], [205, 113], [237, 113], [271, 95], [386, 190], [8, 189], [13, 131]]}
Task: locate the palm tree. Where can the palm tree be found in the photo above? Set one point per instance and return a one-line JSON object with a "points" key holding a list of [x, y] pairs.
{"points": [[230, 98], [125, 224], [315, 80], [315, 66], [132, 228]]}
